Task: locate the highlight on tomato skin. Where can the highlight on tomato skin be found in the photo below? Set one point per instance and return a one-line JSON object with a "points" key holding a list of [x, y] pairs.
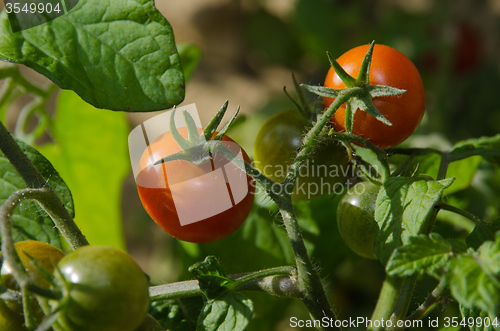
{"points": [[195, 203], [392, 68]]}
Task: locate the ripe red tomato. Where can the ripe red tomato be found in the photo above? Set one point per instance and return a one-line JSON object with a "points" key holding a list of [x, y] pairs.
{"points": [[388, 67], [207, 193]]}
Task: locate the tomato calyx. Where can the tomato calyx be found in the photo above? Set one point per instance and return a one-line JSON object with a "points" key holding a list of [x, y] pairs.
{"points": [[198, 148], [307, 107], [358, 91]]}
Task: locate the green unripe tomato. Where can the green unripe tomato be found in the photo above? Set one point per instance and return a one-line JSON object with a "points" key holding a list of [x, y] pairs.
{"points": [[276, 146], [356, 218], [106, 290], [10, 320]]}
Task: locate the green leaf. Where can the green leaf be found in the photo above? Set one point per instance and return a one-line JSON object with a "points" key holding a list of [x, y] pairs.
{"points": [[29, 219], [474, 278], [212, 278], [118, 55], [231, 312], [90, 151], [422, 254], [487, 147], [170, 316], [224, 309], [483, 232], [190, 56], [403, 208], [478, 320], [373, 163], [463, 170]]}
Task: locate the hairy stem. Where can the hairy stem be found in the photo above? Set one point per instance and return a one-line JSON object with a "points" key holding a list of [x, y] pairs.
{"points": [[278, 281], [8, 250], [45, 195], [459, 211], [443, 166], [391, 288], [313, 293], [404, 300], [310, 139], [430, 303]]}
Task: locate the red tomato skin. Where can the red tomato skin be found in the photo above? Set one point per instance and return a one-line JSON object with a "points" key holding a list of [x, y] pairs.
{"points": [[159, 202], [388, 67]]}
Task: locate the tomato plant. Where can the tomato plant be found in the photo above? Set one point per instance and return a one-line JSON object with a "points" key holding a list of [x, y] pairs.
{"points": [[388, 67], [277, 144], [428, 212], [105, 290], [155, 183], [356, 218]]}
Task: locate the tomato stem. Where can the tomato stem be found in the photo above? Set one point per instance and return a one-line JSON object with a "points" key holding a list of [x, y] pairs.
{"points": [[278, 281], [20, 274], [391, 288], [39, 190], [313, 294], [381, 155], [404, 300], [459, 211], [429, 304]]}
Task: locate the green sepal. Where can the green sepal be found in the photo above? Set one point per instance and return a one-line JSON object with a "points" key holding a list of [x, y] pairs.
{"points": [[183, 142], [364, 69], [384, 91], [348, 80], [322, 91], [210, 129], [41, 270], [228, 125], [365, 104]]}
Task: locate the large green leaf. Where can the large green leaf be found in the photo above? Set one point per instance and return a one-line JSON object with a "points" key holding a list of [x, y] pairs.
{"points": [[487, 147], [483, 232], [118, 54], [90, 152], [474, 278], [224, 308], [478, 320], [403, 208], [29, 219], [422, 254]]}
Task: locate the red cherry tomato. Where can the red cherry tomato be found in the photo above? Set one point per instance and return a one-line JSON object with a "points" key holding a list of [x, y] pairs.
{"points": [[388, 67], [170, 189]]}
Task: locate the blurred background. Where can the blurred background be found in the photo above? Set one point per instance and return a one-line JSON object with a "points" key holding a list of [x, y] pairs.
{"points": [[249, 50]]}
